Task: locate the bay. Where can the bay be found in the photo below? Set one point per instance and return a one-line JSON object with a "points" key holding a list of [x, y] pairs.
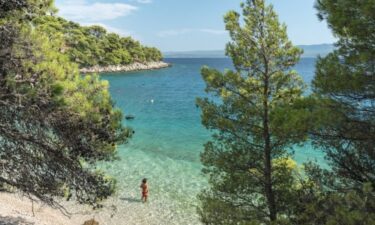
{"points": [[169, 138]]}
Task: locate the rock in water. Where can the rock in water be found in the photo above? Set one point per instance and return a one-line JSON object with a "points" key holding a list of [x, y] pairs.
{"points": [[91, 222]]}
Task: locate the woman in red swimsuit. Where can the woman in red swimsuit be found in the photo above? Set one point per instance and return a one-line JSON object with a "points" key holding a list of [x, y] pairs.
{"points": [[144, 190]]}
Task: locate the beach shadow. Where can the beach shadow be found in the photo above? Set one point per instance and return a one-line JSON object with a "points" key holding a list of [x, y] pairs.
{"points": [[8, 220], [130, 200]]}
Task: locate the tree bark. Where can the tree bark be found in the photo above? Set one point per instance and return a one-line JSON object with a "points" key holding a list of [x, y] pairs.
{"points": [[267, 154]]}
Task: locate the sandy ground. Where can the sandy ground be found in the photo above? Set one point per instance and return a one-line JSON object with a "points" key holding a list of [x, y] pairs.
{"points": [[120, 210], [17, 210]]}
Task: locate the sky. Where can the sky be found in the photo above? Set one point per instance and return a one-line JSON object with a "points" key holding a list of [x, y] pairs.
{"points": [[188, 25]]}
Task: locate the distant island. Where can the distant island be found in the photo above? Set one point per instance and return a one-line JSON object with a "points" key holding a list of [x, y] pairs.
{"points": [[310, 51], [95, 50]]}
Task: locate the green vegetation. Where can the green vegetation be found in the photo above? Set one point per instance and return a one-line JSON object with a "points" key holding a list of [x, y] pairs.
{"points": [[93, 45], [251, 179], [261, 114], [344, 117], [345, 87], [55, 125]]}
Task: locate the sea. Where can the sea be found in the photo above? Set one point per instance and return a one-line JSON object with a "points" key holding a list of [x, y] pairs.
{"points": [[168, 141]]}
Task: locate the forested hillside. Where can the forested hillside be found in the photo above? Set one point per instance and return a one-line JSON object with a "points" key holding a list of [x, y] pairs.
{"points": [[93, 45]]}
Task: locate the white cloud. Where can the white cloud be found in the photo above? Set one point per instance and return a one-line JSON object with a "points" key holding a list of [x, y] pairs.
{"points": [[142, 1], [119, 31], [179, 32], [213, 31], [82, 11], [167, 33]]}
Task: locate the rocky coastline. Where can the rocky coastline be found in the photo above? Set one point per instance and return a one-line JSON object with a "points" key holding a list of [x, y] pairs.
{"points": [[125, 68]]}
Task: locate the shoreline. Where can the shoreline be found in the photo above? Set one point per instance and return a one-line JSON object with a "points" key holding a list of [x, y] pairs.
{"points": [[127, 209], [17, 209], [125, 68]]}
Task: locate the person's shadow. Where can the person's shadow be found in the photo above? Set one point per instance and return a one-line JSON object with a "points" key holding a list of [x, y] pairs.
{"points": [[131, 200]]}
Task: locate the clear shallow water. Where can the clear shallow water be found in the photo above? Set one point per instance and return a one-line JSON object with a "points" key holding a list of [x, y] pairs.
{"points": [[168, 139]]}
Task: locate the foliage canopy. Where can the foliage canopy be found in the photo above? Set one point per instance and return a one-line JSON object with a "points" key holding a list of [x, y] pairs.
{"points": [[93, 45], [54, 124], [247, 162]]}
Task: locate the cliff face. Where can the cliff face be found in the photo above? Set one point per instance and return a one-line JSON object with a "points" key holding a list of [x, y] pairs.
{"points": [[126, 68]]}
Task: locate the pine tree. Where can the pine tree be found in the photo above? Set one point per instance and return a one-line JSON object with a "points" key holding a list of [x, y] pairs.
{"points": [[55, 125], [345, 87], [250, 173], [343, 119]]}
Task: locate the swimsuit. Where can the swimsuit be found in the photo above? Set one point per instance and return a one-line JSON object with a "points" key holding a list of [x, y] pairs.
{"points": [[144, 190]]}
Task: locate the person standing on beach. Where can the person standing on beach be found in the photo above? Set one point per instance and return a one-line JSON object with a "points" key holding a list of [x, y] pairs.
{"points": [[144, 187]]}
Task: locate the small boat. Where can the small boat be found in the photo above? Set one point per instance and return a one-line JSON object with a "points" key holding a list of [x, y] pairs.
{"points": [[129, 117]]}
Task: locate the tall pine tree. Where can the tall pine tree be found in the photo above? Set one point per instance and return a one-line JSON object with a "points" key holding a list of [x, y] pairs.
{"points": [[250, 173], [345, 86], [344, 119]]}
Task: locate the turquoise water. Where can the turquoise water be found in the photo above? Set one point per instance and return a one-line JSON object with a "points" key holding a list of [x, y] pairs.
{"points": [[168, 139]]}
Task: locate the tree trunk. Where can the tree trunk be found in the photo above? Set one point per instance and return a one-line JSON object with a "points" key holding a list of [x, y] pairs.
{"points": [[267, 156]]}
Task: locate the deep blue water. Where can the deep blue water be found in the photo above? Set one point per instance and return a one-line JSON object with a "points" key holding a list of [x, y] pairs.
{"points": [[169, 136], [167, 120]]}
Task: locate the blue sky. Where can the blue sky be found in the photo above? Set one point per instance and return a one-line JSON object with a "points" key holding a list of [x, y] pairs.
{"points": [[186, 25]]}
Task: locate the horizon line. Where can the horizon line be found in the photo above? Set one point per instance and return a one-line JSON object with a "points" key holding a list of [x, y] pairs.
{"points": [[203, 50]]}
